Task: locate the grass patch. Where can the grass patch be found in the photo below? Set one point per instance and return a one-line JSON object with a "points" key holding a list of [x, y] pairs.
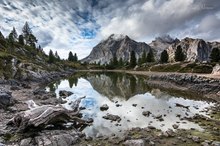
{"points": [[166, 67]]}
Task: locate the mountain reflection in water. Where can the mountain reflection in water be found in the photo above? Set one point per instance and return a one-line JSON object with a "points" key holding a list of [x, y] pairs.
{"points": [[125, 90]]}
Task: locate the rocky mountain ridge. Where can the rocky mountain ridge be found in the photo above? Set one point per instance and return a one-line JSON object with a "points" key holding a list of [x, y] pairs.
{"points": [[121, 47]]}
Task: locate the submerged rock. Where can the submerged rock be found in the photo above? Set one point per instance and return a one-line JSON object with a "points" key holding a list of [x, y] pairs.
{"points": [[64, 93], [169, 133], [216, 143], [175, 126], [196, 139], [146, 113], [134, 105], [112, 117], [104, 107], [136, 142]]}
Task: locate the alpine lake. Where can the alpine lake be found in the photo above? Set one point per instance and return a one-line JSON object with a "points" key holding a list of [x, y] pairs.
{"points": [[131, 99]]}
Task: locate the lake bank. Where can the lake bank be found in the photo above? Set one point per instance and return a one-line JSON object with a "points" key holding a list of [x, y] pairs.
{"points": [[147, 135]]}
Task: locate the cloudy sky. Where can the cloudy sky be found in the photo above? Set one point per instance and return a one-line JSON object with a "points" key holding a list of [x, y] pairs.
{"points": [[78, 25]]}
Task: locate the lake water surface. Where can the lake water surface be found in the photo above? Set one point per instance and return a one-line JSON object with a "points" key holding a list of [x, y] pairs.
{"points": [[127, 96]]}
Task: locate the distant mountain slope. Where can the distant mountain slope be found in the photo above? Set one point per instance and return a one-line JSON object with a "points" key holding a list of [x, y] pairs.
{"points": [[25, 62], [116, 45], [194, 49], [162, 43]]}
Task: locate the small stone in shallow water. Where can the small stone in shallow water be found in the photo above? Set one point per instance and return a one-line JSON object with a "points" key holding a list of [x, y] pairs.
{"points": [[146, 113], [151, 127], [175, 126], [134, 105], [112, 117], [104, 107], [196, 139], [136, 142], [169, 133], [215, 143]]}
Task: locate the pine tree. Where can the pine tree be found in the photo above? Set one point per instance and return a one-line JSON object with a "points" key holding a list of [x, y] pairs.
{"points": [[57, 56], [139, 61], [215, 55], [115, 61], [21, 40], [26, 32], [133, 60], [29, 38], [11, 39], [32, 40], [1, 36], [179, 55], [51, 57], [144, 57], [71, 57], [164, 57], [121, 63], [3, 41], [75, 58], [14, 34], [150, 56]]}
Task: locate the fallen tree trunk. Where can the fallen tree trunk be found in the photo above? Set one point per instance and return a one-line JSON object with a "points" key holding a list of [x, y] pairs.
{"points": [[38, 117]]}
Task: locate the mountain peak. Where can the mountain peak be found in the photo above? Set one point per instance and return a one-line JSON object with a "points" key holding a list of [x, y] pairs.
{"points": [[116, 45], [165, 39], [117, 36]]}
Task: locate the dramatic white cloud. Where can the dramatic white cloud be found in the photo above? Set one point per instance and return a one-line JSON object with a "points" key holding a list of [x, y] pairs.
{"points": [[78, 25]]}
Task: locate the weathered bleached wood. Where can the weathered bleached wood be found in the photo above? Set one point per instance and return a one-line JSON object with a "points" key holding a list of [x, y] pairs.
{"points": [[41, 116]]}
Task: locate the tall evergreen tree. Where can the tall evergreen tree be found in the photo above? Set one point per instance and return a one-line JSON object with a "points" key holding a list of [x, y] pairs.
{"points": [[115, 61], [71, 57], [51, 57], [29, 38], [164, 57], [57, 56], [21, 40], [133, 60], [179, 55], [11, 39], [14, 33], [150, 56], [75, 58], [32, 40], [1, 35], [26, 31], [215, 55], [121, 63], [144, 57], [3, 41]]}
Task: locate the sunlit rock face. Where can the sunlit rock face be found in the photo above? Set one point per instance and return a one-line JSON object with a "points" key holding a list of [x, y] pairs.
{"points": [[162, 43], [116, 45], [124, 86], [194, 49]]}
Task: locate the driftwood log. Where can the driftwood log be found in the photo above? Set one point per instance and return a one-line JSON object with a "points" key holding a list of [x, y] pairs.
{"points": [[39, 117]]}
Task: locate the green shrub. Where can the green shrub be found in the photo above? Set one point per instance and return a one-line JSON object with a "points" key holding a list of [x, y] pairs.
{"points": [[202, 69]]}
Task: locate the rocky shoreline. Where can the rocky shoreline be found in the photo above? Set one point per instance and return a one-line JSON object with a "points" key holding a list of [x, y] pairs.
{"points": [[15, 94], [207, 87]]}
